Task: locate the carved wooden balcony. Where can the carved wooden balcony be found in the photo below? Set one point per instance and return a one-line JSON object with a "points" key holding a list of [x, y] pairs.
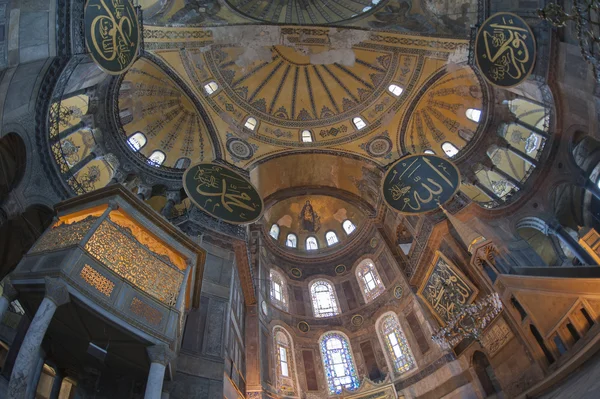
{"points": [[121, 259]]}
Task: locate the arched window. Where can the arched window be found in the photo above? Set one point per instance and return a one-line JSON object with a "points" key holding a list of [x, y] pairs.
{"points": [[449, 149], [369, 280], [338, 362], [331, 238], [274, 232], [137, 140], [251, 123], [395, 90], [393, 340], [291, 241], [182, 163], [279, 294], [429, 152], [323, 299], [474, 114], [285, 361], [359, 123], [211, 87], [348, 226], [157, 158], [307, 136], [311, 244]]}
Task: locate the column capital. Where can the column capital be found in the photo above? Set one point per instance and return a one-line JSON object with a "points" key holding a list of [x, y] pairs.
{"points": [[160, 354], [144, 190], [9, 291], [174, 196], [57, 291]]}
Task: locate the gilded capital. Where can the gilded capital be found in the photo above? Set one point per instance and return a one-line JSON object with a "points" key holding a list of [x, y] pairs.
{"points": [[9, 291], [56, 291], [160, 354]]}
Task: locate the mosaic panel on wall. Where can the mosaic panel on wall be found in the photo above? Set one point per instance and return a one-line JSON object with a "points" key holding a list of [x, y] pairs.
{"points": [[125, 256], [339, 364], [445, 288]]}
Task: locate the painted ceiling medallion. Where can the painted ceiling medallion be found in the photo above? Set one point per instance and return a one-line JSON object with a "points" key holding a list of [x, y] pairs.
{"points": [[340, 269], [398, 292], [303, 327], [239, 148], [304, 12], [357, 320], [297, 273], [380, 146]]}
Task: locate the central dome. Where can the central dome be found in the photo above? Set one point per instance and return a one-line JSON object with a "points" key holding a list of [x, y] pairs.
{"points": [[304, 12]]}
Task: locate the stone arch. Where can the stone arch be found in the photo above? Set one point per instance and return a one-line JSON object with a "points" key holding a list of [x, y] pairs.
{"points": [[485, 374], [13, 161], [19, 234], [536, 232]]}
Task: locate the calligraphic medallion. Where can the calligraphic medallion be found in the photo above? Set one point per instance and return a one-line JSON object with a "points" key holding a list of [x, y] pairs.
{"points": [[112, 34], [445, 288], [223, 193], [420, 183], [505, 49]]}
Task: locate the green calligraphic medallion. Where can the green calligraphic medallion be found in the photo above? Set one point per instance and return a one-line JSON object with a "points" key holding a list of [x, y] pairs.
{"points": [[420, 183], [505, 49], [222, 193], [112, 34]]}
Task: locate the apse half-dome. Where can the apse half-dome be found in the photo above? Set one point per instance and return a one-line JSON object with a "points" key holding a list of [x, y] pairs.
{"points": [[160, 122]]}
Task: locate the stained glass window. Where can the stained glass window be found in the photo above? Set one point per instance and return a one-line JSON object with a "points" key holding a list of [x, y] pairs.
{"points": [[286, 370], [450, 149], [323, 299], [359, 123], [473, 114], [157, 158], [331, 238], [348, 226], [339, 365], [395, 344], [211, 87], [279, 295], [395, 90], [251, 123], [307, 136], [274, 231], [291, 241], [369, 280]]}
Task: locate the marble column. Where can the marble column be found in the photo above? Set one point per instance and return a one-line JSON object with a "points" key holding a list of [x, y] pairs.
{"points": [[580, 253], [56, 295], [160, 356], [8, 295], [173, 198], [144, 192]]}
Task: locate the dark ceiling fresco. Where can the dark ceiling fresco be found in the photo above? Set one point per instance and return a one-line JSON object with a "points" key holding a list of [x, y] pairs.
{"points": [[436, 17]]}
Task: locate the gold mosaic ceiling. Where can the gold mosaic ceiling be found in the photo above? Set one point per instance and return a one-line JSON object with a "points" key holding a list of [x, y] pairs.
{"points": [[312, 82]]}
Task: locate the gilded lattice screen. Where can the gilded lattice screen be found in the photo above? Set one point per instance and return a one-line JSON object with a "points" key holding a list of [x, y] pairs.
{"points": [[64, 235], [125, 256]]}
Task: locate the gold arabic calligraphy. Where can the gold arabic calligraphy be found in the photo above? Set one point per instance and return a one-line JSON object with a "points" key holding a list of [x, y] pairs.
{"points": [[506, 49], [230, 191], [435, 291], [407, 192], [112, 32]]}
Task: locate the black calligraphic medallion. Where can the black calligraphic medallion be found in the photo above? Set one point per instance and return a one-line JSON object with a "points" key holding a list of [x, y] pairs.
{"points": [[505, 49], [112, 34], [222, 193], [420, 183]]}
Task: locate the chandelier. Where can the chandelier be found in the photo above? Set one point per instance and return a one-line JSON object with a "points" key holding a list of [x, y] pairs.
{"points": [[467, 320], [586, 15]]}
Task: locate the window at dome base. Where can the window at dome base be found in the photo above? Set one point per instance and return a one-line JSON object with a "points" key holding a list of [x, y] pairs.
{"points": [[156, 158], [274, 232], [311, 244], [291, 241], [449, 149], [331, 238], [211, 87], [338, 362], [307, 136], [429, 152], [395, 90], [359, 123], [474, 114], [251, 123], [182, 163], [348, 226], [323, 299], [137, 140]]}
